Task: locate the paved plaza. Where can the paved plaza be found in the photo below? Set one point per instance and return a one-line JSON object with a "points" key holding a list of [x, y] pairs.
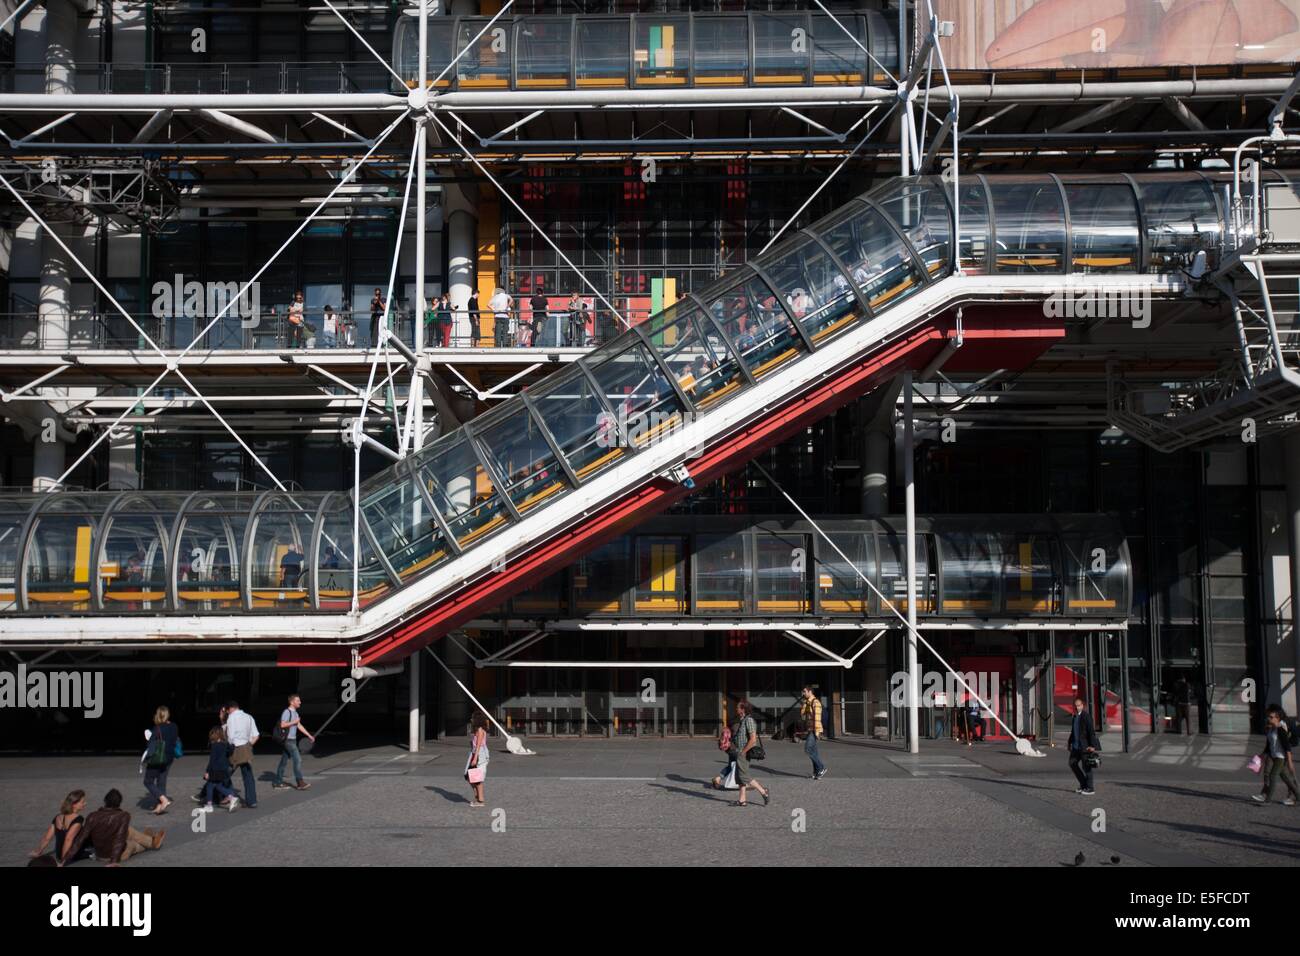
{"points": [[615, 802]]}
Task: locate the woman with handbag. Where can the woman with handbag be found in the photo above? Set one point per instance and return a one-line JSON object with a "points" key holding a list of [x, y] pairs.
{"points": [[163, 748], [477, 764], [744, 739]]}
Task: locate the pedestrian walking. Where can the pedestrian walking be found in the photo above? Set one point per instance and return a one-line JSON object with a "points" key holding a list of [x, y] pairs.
{"points": [[162, 749], [810, 712], [477, 763], [63, 829], [217, 776], [727, 779], [242, 734], [287, 734], [1084, 747], [500, 304], [297, 321], [540, 314], [744, 738], [377, 308], [109, 833], [475, 329], [1278, 744]]}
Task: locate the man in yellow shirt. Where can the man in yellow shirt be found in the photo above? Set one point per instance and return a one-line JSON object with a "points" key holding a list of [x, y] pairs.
{"points": [[810, 712]]}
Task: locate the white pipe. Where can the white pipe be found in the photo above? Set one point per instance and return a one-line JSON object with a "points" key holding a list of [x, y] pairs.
{"points": [[909, 510]]}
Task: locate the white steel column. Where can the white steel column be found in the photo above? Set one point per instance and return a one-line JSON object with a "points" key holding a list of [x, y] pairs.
{"points": [[913, 699], [413, 725], [1291, 470]]}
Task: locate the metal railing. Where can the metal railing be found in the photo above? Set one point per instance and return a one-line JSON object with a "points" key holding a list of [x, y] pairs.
{"points": [[251, 77]]}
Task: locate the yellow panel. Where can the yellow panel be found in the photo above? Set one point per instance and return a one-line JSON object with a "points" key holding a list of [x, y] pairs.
{"points": [[1026, 558], [663, 568], [81, 569], [665, 60]]}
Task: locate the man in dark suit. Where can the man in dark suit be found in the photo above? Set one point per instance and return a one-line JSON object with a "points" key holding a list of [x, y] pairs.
{"points": [[1083, 741]]}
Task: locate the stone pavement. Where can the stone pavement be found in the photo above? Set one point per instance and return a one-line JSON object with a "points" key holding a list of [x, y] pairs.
{"points": [[1175, 801]]}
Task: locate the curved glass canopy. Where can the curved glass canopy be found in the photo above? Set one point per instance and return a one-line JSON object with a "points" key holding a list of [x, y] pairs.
{"points": [[209, 552], [599, 52]]}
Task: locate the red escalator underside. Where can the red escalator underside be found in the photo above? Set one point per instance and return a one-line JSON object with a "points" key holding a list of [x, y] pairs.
{"points": [[993, 338]]}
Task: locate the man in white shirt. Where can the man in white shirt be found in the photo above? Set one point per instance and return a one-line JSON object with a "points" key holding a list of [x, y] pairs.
{"points": [[330, 327], [241, 732], [500, 304]]}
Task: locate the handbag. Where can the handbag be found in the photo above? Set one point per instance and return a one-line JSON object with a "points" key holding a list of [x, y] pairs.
{"points": [[475, 774], [1256, 764], [243, 754]]}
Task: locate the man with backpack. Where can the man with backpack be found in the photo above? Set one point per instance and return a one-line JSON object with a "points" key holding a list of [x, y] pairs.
{"points": [[744, 739], [810, 712], [1279, 741], [286, 733]]}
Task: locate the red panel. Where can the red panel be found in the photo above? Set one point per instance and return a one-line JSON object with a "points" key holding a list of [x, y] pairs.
{"points": [[914, 350]]}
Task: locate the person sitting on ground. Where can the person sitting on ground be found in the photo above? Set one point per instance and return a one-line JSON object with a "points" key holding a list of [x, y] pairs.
{"points": [[63, 829], [217, 776], [109, 832]]}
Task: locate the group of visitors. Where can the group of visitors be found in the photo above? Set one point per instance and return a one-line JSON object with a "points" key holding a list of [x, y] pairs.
{"points": [[107, 832], [571, 325]]}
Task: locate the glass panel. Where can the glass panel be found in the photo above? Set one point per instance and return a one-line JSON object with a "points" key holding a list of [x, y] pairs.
{"points": [[836, 58], [133, 564], [919, 208], [816, 290], [602, 53], [483, 67], [722, 578], [280, 543], [1182, 222], [1103, 227], [877, 259], [782, 573], [208, 564], [581, 426], [462, 490], [661, 50], [840, 588], [542, 52], [751, 316], [697, 355], [399, 519], [336, 553], [518, 451], [972, 564], [661, 578], [601, 577], [13, 516], [883, 46], [645, 406], [893, 573], [1030, 224], [1096, 574], [721, 51], [1031, 574], [780, 48], [974, 225], [58, 563]]}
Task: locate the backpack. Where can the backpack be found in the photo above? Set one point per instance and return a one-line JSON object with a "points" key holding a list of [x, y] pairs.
{"points": [[156, 755], [724, 742]]}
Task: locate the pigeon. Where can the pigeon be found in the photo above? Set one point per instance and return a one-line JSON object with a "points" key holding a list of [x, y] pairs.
{"points": [[1078, 859]]}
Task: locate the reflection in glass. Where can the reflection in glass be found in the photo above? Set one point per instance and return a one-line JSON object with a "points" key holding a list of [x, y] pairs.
{"points": [[1103, 227], [816, 290], [752, 317], [721, 574], [877, 259], [1029, 219]]}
